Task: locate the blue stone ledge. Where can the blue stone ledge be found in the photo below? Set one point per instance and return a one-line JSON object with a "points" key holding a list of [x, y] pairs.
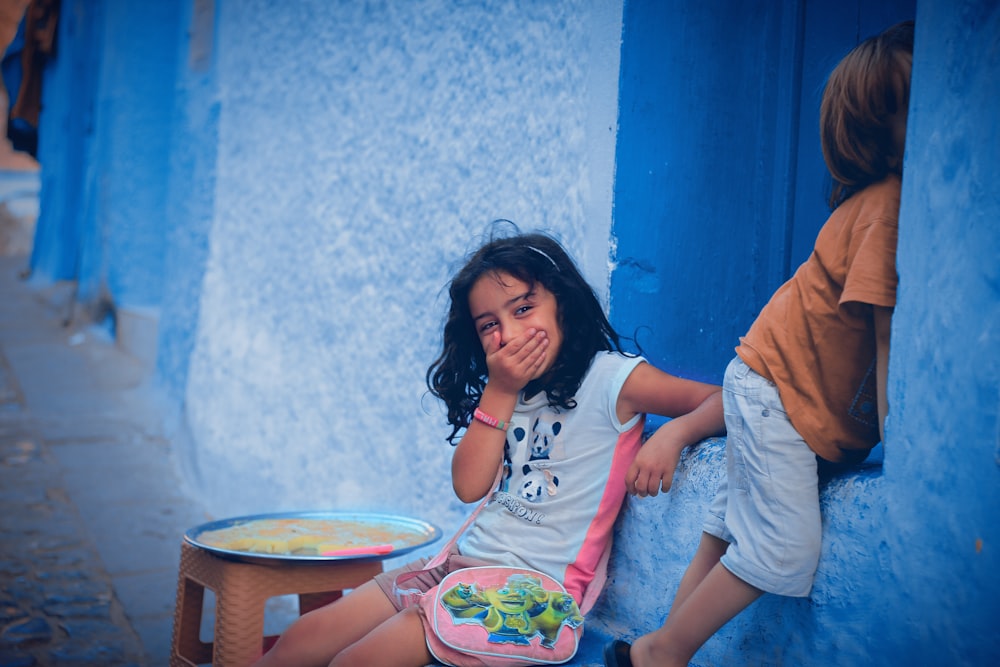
{"points": [[656, 537]]}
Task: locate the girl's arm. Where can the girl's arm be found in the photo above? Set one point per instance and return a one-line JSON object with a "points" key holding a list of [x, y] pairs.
{"points": [[479, 453], [696, 412], [883, 329]]}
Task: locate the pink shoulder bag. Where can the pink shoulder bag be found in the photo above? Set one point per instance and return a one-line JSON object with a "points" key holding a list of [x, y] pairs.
{"points": [[498, 616]]}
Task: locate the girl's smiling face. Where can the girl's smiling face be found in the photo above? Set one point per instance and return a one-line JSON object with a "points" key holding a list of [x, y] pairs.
{"points": [[502, 305]]}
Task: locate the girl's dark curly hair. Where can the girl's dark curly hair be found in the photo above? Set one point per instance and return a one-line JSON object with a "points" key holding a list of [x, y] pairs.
{"points": [[863, 94], [459, 374]]}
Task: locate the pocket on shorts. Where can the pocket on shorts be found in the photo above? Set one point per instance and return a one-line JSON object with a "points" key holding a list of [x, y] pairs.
{"points": [[746, 409], [736, 371], [736, 471]]}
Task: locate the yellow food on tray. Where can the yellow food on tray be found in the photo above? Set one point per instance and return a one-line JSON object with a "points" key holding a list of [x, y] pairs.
{"points": [[303, 537]]}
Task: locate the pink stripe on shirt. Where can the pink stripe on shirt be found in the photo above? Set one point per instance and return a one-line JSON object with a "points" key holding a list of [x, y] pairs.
{"points": [[583, 571]]}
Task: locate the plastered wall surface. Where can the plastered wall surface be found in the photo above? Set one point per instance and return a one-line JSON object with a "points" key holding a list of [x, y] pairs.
{"points": [[362, 151]]}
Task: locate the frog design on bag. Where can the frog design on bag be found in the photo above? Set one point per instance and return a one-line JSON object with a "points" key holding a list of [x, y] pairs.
{"points": [[515, 612]]}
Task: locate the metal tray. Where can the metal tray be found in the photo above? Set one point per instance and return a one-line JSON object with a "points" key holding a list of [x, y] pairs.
{"points": [[337, 536]]}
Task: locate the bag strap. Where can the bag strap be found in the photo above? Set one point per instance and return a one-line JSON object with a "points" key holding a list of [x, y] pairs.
{"points": [[410, 596], [442, 555]]}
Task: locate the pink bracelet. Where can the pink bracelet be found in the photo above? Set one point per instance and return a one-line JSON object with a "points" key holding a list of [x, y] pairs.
{"points": [[490, 420]]}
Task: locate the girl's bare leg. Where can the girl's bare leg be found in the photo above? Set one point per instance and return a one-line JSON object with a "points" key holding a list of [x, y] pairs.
{"points": [[398, 642], [315, 638], [710, 605]]}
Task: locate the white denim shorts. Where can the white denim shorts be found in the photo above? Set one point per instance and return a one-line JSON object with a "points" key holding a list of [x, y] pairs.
{"points": [[767, 507]]}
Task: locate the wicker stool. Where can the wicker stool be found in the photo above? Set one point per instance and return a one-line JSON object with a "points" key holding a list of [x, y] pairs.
{"points": [[241, 590]]}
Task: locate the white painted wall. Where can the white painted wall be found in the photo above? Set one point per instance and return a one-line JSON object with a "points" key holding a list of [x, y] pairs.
{"points": [[364, 148]]}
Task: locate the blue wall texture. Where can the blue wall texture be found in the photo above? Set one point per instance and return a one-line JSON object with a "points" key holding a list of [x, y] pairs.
{"points": [[280, 191], [110, 98], [942, 461], [907, 573], [720, 187], [65, 133]]}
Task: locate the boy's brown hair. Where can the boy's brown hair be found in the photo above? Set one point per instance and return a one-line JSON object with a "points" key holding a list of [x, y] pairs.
{"points": [[863, 94]]}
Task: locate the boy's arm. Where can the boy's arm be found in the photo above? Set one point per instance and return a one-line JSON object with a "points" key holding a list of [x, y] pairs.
{"points": [[883, 328]]}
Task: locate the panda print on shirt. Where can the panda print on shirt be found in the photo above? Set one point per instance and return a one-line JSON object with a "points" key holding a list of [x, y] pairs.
{"points": [[532, 481], [537, 484]]}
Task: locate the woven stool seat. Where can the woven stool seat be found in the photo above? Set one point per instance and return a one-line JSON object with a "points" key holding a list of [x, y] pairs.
{"points": [[241, 591]]}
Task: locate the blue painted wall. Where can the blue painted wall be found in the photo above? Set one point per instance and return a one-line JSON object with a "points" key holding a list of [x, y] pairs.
{"points": [[115, 73], [66, 129], [287, 195], [133, 123], [942, 461], [720, 186], [190, 205], [909, 562], [703, 170]]}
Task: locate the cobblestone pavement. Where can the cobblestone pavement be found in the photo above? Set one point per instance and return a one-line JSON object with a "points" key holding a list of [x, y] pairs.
{"points": [[92, 508], [57, 605]]}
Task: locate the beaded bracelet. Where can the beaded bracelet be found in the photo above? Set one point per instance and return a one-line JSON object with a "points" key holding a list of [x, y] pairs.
{"points": [[490, 420]]}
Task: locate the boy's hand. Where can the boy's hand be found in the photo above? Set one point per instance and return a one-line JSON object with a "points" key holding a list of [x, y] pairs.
{"points": [[654, 465], [516, 363]]}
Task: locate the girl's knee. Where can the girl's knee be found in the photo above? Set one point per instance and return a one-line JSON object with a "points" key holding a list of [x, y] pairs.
{"points": [[349, 656], [398, 641], [295, 643]]}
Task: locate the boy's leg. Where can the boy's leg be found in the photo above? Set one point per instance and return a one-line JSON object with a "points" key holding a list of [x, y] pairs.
{"points": [[709, 594], [315, 638], [710, 550], [718, 598], [398, 642]]}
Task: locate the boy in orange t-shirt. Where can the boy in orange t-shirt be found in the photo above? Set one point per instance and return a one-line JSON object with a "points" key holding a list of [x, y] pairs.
{"points": [[809, 377]]}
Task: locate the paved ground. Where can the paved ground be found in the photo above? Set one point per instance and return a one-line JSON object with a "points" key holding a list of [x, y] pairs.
{"points": [[91, 509]]}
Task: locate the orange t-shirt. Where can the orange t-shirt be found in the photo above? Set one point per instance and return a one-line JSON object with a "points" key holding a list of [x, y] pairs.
{"points": [[815, 339]]}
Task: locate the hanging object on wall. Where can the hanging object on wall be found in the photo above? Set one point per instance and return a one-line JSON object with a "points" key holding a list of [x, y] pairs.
{"points": [[40, 22]]}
